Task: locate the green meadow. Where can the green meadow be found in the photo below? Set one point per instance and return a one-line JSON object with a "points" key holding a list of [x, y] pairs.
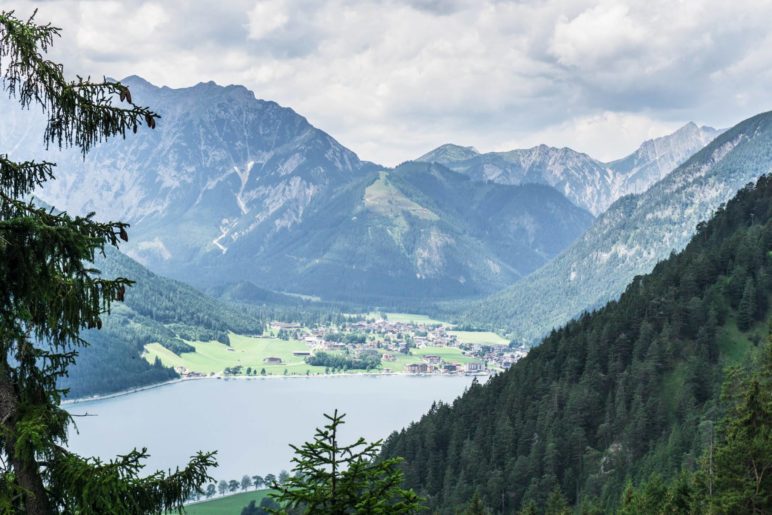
{"points": [[247, 351], [214, 357], [479, 337], [408, 318]]}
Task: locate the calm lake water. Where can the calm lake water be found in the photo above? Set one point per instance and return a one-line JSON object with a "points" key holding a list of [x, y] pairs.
{"points": [[251, 422]]}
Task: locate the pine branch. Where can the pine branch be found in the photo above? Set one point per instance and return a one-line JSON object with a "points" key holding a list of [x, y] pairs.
{"points": [[21, 179], [81, 113]]}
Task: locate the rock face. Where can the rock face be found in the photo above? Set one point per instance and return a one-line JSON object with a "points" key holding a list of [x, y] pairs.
{"points": [[585, 181], [656, 158], [634, 234], [221, 165], [230, 188], [420, 232]]}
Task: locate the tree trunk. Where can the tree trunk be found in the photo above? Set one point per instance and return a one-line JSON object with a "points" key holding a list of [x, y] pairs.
{"points": [[25, 467]]}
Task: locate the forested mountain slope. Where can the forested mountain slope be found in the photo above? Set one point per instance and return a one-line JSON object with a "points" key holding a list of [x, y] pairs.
{"points": [[634, 234], [156, 309], [618, 394], [416, 232], [657, 157]]}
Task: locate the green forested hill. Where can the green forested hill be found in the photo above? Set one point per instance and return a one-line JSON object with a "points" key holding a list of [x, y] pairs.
{"points": [[617, 395], [413, 234], [156, 309], [635, 233]]}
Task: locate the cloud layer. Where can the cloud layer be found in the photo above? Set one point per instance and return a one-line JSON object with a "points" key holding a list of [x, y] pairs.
{"points": [[392, 79]]}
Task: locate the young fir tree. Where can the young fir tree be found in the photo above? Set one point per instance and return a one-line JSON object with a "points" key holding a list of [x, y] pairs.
{"points": [[742, 461], [48, 294], [335, 479]]}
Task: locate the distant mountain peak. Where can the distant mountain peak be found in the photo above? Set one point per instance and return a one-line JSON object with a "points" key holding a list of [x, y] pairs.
{"points": [[587, 182], [657, 157], [136, 80], [449, 153]]}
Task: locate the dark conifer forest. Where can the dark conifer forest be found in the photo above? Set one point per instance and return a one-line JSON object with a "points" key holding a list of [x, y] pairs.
{"points": [[625, 396]]}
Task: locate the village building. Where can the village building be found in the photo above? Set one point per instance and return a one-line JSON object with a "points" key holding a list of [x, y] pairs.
{"points": [[418, 368], [473, 368]]}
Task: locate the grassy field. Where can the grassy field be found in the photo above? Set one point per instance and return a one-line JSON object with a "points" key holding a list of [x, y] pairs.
{"points": [[385, 199], [448, 354], [244, 350], [231, 504], [214, 357], [408, 318], [479, 337]]}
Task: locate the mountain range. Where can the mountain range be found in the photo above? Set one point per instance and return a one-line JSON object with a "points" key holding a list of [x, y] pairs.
{"points": [[232, 189], [629, 238], [587, 182]]}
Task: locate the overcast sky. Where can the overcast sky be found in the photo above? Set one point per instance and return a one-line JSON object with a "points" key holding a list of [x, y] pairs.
{"points": [[392, 79]]}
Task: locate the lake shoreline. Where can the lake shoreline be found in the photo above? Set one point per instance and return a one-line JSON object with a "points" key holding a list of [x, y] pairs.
{"points": [[139, 389]]}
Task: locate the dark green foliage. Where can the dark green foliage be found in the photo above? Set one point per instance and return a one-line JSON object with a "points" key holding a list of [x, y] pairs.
{"points": [[476, 506], [366, 360], [742, 461], [155, 309], [111, 363], [331, 478], [746, 310], [621, 393], [266, 506], [733, 476], [87, 485], [346, 337], [49, 294]]}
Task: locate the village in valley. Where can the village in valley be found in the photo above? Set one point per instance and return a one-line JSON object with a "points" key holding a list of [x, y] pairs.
{"points": [[377, 343], [394, 339]]}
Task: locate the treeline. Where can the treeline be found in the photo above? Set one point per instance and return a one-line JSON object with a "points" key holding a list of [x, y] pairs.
{"points": [[366, 360], [346, 337], [171, 302], [155, 310], [618, 395]]}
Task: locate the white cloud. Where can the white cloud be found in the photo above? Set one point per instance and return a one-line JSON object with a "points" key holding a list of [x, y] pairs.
{"points": [[598, 35], [265, 17], [392, 78]]}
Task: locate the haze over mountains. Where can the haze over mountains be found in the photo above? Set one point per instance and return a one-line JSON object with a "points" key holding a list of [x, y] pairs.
{"points": [[634, 234], [230, 188]]}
